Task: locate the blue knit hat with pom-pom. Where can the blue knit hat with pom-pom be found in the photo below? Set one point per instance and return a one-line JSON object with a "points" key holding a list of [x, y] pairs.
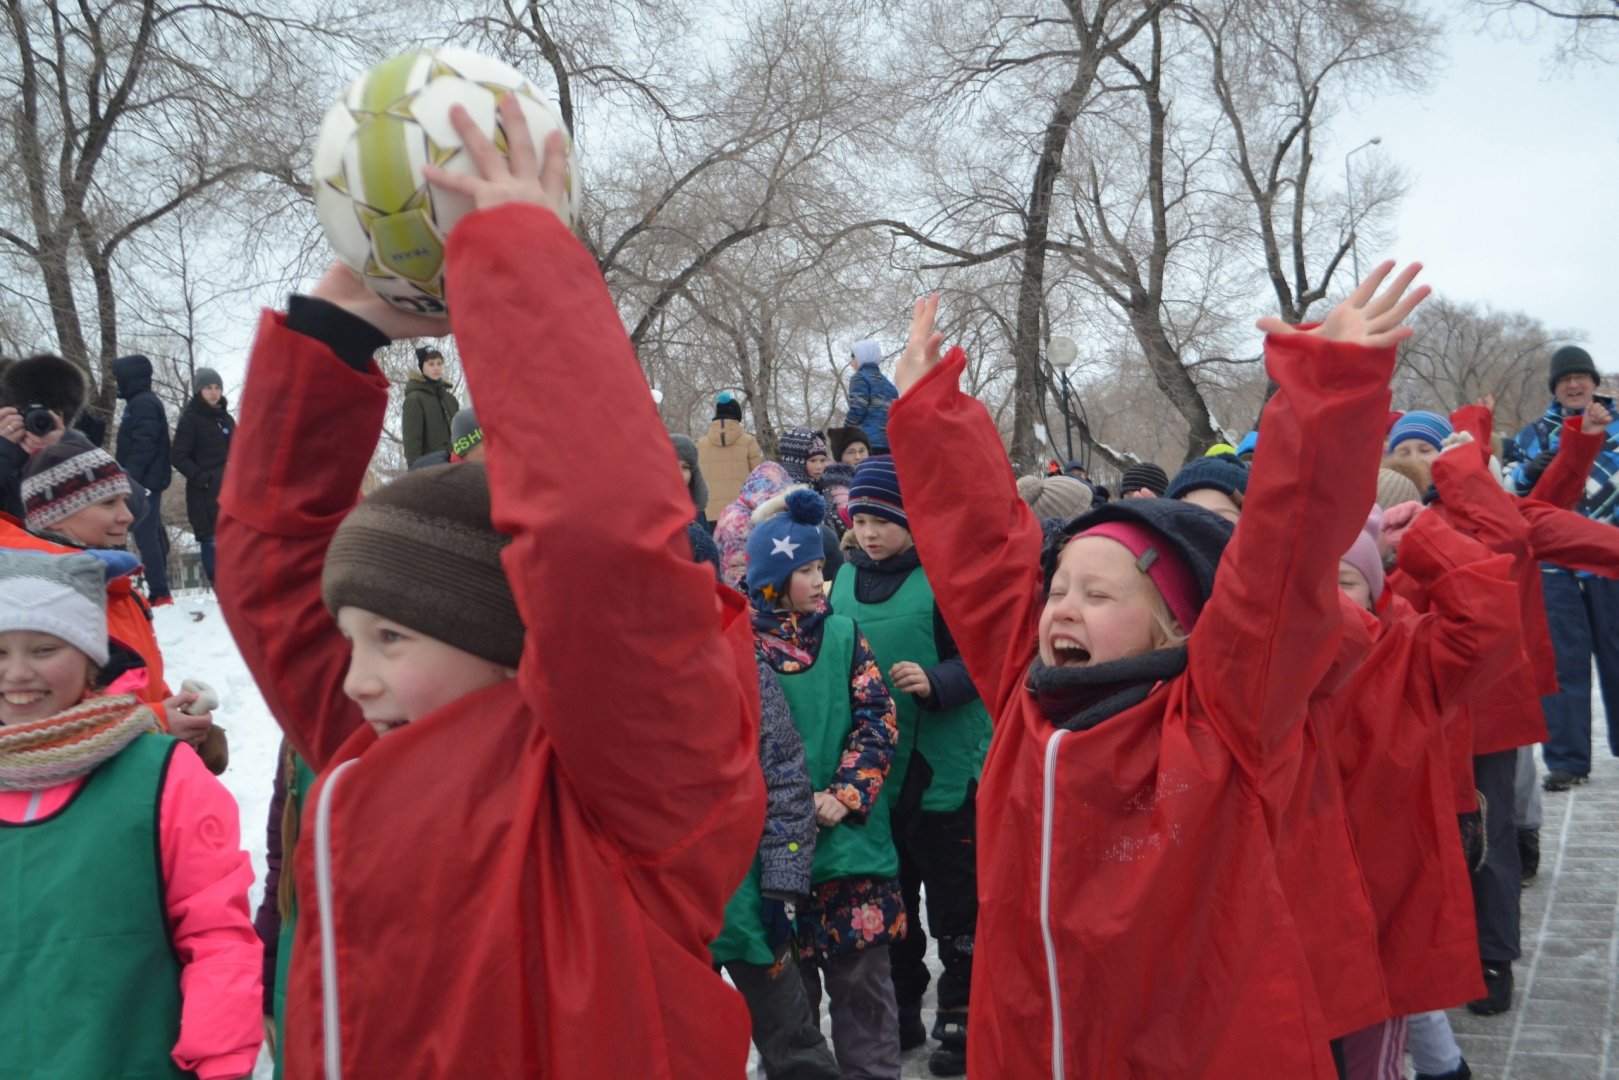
{"points": [[786, 535]]}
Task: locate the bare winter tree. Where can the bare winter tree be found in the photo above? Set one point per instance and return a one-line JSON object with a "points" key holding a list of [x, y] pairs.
{"points": [[1462, 352], [1585, 29], [119, 114]]}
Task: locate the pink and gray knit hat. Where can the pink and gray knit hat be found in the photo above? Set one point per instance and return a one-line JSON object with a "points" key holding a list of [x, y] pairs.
{"points": [[63, 479]]}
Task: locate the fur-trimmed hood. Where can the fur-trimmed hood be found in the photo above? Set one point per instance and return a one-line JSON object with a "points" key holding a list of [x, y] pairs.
{"points": [[774, 505]]}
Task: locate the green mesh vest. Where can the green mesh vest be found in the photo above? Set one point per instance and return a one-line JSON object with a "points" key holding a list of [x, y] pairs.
{"points": [[819, 700], [89, 981], [953, 742]]}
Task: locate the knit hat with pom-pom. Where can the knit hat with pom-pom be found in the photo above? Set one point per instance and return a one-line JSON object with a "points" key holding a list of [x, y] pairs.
{"points": [[786, 535], [1364, 556], [1054, 497]]}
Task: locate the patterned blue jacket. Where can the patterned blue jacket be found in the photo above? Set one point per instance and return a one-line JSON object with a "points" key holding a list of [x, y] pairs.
{"points": [[870, 395], [788, 846], [1601, 501]]}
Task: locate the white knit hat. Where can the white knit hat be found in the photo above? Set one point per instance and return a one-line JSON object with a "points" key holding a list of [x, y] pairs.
{"points": [[65, 595]]}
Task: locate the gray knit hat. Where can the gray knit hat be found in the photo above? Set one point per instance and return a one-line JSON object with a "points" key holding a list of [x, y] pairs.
{"points": [[439, 515], [65, 595], [1054, 497], [465, 432], [206, 376]]}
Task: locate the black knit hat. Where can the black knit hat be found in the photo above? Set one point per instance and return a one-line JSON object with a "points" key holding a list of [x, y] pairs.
{"points": [[727, 407], [440, 515], [1570, 360], [424, 353], [1144, 475], [840, 439], [1198, 536]]}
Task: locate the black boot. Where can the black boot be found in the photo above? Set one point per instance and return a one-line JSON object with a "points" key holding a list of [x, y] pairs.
{"points": [[949, 1058], [1497, 990], [1529, 853], [1460, 1072], [912, 1032]]}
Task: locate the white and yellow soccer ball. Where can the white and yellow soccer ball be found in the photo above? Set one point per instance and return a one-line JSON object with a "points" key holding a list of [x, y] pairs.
{"points": [[380, 215]]}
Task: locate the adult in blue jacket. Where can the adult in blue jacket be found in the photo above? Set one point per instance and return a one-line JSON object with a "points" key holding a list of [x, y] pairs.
{"points": [[142, 448], [1582, 610], [870, 394]]}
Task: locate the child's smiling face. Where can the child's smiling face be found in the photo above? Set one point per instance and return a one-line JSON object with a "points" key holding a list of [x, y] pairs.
{"points": [[397, 675], [40, 675], [1099, 608]]}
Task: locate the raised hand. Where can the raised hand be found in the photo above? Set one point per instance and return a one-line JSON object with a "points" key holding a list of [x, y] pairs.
{"points": [[921, 353], [342, 286], [1596, 419], [516, 176], [1366, 317]]}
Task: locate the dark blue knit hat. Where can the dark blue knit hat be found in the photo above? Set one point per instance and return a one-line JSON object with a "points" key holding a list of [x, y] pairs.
{"points": [[875, 491], [1224, 473], [1430, 427], [786, 535], [1197, 537]]}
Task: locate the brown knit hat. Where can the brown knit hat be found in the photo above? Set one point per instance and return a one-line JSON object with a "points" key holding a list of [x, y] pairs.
{"points": [[441, 513]]}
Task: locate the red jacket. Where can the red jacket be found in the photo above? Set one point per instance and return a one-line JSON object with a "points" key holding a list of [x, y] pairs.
{"points": [[525, 882], [1388, 725], [1131, 921]]}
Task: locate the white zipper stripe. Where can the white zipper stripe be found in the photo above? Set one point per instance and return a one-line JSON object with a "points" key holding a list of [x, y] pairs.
{"points": [[1047, 815], [33, 807], [333, 1038]]}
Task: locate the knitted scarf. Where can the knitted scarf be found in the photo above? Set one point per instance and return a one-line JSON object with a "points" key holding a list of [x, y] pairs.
{"points": [[72, 743], [1080, 698]]}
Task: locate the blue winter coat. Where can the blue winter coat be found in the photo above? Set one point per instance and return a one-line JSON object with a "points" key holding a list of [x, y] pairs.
{"points": [[1601, 501], [142, 447], [870, 395]]}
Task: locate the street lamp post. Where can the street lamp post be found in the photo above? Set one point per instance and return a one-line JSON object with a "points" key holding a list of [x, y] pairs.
{"points": [[1349, 188], [1062, 352]]}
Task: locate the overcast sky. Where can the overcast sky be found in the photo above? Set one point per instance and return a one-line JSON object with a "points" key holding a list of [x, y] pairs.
{"points": [[1514, 166]]}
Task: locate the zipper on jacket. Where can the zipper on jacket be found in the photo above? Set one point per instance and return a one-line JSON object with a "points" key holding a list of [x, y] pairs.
{"points": [[1047, 816], [332, 1036], [32, 812]]}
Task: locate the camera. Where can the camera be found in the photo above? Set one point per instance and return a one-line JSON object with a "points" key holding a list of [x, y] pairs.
{"points": [[37, 420]]}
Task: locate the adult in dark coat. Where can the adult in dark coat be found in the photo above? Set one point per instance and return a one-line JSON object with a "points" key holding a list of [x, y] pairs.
{"points": [[201, 446], [142, 448]]}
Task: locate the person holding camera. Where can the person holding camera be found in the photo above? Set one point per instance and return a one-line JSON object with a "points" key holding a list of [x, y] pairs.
{"points": [[39, 397]]}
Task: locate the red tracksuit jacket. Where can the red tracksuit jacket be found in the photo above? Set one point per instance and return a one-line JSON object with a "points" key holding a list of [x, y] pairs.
{"points": [[525, 882], [1132, 922]]}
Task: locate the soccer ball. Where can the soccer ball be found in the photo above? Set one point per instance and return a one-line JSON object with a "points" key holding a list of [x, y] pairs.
{"points": [[381, 217]]}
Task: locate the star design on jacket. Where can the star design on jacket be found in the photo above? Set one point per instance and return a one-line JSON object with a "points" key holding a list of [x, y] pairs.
{"points": [[784, 546]]}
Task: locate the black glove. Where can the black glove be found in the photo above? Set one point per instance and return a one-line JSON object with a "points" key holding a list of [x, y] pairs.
{"points": [[777, 923], [1537, 466]]}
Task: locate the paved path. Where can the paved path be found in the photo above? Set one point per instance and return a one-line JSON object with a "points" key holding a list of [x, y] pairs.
{"points": [[1564, 1024]]}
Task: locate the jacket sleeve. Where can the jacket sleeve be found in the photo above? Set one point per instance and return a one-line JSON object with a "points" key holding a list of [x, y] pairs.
{"points": [[859, 399], [1270, 631], [206, 875], [13, 459], [144, 459], [640, 665], [788, 847], [415, 427], [282, 502], [1480, 507], [1563, 482], [182, 453], [980, 543], [951, 685], [1521, 480], [267, 922], [1572, 540], [873, 737], [1471, 635]]}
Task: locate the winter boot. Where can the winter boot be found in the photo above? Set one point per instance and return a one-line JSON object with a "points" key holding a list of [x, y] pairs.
{"points": [[1460, 1072], [1561, 780], [1529, 853], [912, 1032], [1497, 990], [949, 1058]]}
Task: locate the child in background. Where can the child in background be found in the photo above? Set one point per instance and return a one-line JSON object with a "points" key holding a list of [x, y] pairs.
{"points": [[834, 488], [845, 716], [870, 395], [756, 947], [803, 453], [1218, 484], [513, 862], [944, 733], [735, 522], [1147, 718], [1419, 435], [849, 445], [113, 962]]}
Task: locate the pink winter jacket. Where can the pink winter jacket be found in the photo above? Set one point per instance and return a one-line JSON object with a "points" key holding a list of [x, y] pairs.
{"points": [[206, 876]]}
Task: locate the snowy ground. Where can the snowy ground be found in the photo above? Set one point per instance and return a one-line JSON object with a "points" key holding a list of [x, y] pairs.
{"points": [[197, 644]]}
